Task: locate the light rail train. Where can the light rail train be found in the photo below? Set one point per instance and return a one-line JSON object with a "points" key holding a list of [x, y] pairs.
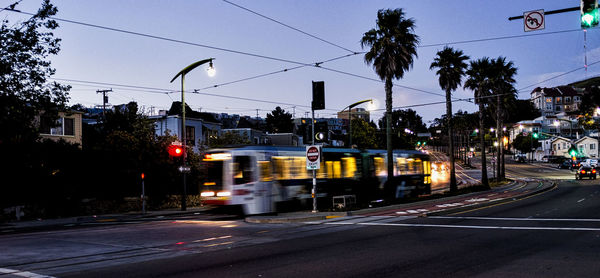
{"points": [[264, 179]]}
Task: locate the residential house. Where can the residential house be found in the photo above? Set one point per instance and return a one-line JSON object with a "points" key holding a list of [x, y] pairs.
{"points": [[551, 101], [199, 127], [587, 146], [561, 146], [68, 127]]}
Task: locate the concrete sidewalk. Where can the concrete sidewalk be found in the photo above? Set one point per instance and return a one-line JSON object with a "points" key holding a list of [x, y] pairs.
{"points": [[521, 188]]}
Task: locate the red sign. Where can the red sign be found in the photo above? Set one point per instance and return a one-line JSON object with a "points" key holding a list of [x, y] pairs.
{"points": [[312, 154]]}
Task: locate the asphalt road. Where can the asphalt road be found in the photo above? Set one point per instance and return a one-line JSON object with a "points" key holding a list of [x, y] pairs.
{"points": [[553, 234]]}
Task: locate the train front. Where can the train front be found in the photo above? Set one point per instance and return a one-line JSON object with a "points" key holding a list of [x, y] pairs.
{"points": [[215, 188]]}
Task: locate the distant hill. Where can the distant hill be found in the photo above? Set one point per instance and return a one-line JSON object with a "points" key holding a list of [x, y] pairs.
{"points": [[594, 81]]}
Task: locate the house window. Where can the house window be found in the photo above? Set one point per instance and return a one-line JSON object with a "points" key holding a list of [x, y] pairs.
{"points": [[558, 108], [564, 145], [190, 135], [558, 146], [576, 98], [549, 99], [548, 106], [558, 100], [567, 99], [592, 146], [63, 127]]}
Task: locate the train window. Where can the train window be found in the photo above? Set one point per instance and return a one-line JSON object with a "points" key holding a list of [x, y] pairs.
{"points": [[329, 169], [349, 167], [401, 166], [322, 172], [337, 169], [242, 169], [379, 166], [281, 168], [264, 169]]}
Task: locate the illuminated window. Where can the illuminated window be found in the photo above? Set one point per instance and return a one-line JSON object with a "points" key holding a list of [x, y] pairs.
{"points": [[349, 167], [264, 168]]}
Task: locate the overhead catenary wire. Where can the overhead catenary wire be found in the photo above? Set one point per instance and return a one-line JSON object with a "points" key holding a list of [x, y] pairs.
{"points": [[288, 26]]}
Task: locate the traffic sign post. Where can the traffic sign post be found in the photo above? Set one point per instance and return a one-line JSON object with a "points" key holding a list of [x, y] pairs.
{"points": [[313, 162]]}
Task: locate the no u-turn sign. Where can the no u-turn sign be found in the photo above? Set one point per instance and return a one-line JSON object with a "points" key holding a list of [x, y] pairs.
{"points": [[534, 20]]}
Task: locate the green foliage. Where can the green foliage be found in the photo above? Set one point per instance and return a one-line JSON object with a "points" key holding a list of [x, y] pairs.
{"points": [[24, 70], [279, 121], [364, 134], [401, 120], [228, 138], [524, 144]]}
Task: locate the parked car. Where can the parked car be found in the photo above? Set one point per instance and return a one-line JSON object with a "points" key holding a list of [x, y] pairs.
{"points": [[567, 164], [585, 171], [590, 162]]}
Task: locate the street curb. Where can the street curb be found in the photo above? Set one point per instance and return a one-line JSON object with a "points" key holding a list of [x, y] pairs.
{"points": [[492, 203], [294, 219]]}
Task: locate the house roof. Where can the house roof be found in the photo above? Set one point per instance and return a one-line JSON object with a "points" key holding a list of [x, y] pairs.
{"points": [[584, 138], [560, 91], [561, 138], [176, 110]]}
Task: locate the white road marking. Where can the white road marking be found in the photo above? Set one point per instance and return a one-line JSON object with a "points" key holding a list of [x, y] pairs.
{"points": [[27, 274], [477, 200], [479, 227], [401, 212], [581, 200], [516, 219]]}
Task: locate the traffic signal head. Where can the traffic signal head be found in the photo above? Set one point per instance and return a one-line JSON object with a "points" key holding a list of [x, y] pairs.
{"points": [[589, 13], [175, 150], [535, 135], [573, 152]]}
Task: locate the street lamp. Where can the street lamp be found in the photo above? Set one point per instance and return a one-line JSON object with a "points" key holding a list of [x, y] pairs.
{"points": [[350, 118], [183, 72]]}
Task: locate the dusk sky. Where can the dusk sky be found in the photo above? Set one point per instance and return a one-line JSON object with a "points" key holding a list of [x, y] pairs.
{"points": [[139, 68]]}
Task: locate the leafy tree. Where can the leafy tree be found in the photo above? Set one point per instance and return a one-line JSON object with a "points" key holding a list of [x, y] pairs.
{"points": [[402, 120], [521, 109], [229, 138], [451, 68], [279, 121], [24, 70], [524, 144], [364, 135], [478, 81], [392, 46]]}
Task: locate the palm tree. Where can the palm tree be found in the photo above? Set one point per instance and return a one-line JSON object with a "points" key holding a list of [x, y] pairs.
{"points": [[503, 79], [478, 81], [451, 68], [393, 45]]}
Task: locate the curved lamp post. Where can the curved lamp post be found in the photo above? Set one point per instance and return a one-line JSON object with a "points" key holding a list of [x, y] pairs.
{"points": [[183, 72], [350, 118]]}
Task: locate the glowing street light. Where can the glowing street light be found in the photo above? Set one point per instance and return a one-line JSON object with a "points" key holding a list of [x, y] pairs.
{"points": [[182, 73]]}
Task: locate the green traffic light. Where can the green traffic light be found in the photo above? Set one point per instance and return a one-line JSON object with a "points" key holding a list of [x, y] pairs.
{"points": [[589, 14], [535, 135]]}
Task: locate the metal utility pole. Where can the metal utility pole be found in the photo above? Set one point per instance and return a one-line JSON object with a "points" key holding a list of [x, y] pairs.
{"points": [[104, 100]]}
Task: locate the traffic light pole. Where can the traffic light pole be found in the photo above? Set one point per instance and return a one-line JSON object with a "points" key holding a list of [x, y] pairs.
{"points": [[550, 12], [314, 173]]}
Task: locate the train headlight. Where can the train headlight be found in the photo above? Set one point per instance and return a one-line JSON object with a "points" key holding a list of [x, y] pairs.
{"points": [[207, 194]]}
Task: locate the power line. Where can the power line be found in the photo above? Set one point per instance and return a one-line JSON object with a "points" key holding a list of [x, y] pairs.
{"points": [[169, 39], [559, 75], [12, 6], [288, 26], [500, 38]]}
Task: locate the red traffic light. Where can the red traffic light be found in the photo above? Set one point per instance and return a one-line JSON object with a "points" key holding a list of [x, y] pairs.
{"points": [[175, 150]]}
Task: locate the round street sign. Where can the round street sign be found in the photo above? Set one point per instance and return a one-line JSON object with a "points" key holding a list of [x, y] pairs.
{"points": [[534, 20], [312, 154], [313, 157]]}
